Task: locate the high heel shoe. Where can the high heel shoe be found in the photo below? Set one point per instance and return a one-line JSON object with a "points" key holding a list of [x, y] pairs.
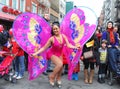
{"points": [[59, 84], [50, 82]]}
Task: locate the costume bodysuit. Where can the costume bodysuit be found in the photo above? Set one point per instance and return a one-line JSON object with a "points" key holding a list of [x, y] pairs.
{"points": [[56, 48]]}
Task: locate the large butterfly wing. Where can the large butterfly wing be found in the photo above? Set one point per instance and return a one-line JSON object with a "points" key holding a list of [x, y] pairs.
{"points": [[31, 33], [78, 31]]}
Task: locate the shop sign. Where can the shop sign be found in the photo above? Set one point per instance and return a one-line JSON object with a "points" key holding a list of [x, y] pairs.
{"points": [[10, 10]]}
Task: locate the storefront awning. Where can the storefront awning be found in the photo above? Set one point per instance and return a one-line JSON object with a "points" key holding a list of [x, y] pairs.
{"points": [[7, 16]]}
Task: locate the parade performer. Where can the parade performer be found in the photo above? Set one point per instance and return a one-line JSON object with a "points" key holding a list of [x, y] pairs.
{"points": [[32, 32], [57, 42]]}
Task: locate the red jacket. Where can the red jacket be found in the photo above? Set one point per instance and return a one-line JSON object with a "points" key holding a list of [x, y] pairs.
{"points": [[4, 48], [16, 49]]}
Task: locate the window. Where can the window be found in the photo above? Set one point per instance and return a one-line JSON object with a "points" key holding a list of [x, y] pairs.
{"points": [[5, 2], [53, 18], [34, 7], [40, 11], [15, 4], [22, 5]]}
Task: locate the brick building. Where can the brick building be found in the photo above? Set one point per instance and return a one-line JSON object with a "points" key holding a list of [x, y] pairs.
{"points": [[10, 9]]}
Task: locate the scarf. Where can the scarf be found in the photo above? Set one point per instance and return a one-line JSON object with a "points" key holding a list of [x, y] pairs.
{"points": [[111, 35]]}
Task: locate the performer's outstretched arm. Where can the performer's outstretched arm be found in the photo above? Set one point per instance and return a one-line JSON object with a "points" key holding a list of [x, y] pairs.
{"points": [[47, 45], [70, 45]]}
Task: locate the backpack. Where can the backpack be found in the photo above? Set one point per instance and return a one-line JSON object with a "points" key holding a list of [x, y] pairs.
{"points": [[4, 37]]}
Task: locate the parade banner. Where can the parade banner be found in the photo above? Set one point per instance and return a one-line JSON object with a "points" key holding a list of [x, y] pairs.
{"points": [[31, 32], [78, 25]]}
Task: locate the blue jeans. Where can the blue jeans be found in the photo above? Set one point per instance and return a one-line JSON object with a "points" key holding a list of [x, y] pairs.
{"points": [[102, 68], [112, 58], [20, 65]]}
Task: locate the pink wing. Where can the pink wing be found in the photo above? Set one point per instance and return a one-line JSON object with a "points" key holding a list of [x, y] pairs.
{"points": [[78, 31], [31, 33]]}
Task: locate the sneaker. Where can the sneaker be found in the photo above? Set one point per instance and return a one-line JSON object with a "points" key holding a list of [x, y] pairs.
{"points": [[19, 77], [59, 84], [14, 76]]}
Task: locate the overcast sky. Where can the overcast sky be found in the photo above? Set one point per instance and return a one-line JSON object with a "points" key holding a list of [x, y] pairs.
{"points": [[95, 5]]}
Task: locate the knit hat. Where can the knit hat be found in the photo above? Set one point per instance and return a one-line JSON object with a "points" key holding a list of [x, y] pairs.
{"points": [[104, 41]]}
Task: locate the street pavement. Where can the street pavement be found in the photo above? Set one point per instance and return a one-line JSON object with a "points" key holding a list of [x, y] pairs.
{"points": [[42, 83]]}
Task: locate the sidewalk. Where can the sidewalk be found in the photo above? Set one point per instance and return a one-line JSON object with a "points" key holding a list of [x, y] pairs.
{"points": [[42, 83]]}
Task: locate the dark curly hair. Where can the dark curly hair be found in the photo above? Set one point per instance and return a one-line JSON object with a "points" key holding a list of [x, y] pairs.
{"points": [[54, 23]]}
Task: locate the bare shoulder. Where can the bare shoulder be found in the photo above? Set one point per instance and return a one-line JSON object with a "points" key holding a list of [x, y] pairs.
{"points": [[51, 39]]}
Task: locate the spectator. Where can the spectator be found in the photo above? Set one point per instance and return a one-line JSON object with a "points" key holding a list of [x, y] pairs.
{"points": [[98, 34], [19, 59], [112, 44], [116, 30], [91, 45], [102, 61]]}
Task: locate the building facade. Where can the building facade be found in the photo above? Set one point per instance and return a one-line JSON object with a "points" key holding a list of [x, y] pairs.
{"points": [[8, 12], [62, 9], [57, 10], [54, 10], [109, 11], [117, 19], [101, 21], [38, 6], [117, 6], [10, 9]]}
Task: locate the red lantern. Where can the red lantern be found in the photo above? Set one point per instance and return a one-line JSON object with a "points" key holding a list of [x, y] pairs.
{"points": [[5, 9], [11, 11], [16, 12]]}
